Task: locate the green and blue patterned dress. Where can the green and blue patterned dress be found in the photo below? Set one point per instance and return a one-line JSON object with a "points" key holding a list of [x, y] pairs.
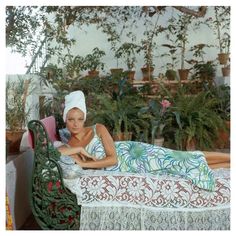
{"points": [[138, 157]]}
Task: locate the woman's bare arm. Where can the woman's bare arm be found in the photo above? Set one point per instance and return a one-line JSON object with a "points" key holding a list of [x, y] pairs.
{"points": [[75, 152]]}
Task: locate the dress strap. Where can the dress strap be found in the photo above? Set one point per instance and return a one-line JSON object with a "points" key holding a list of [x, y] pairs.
{"points": [[94, 129]]}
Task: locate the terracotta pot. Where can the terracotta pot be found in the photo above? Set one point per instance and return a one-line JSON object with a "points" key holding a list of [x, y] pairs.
{"points": [[130, 75], [147, 73], [159, 141], [183, 74], [122, 136], [93, 73], [116, 71], [223, 138], [13, 139], [223, 58], [225, 71], [191, 145]]}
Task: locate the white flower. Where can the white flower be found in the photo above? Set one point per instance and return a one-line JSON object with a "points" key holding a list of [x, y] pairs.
{"points": [[136, 187], [169, 190], [96, 185], [208, 195]]}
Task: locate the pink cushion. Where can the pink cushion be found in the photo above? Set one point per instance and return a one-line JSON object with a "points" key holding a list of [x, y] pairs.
{"points": [[50, 125]]}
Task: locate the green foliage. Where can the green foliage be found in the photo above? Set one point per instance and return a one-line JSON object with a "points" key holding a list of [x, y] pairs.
{"points": [[127, 51], [93, 60], [194, 117], [221, 25], [222, 95], [205, 72], [179, 28], [16, 114], [157, 113]]}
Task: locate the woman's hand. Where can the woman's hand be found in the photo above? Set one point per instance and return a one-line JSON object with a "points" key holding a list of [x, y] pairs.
{"points": [[85, 155]]}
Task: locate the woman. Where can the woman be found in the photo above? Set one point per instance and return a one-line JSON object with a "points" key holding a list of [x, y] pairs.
{"points": [[93, 147]]}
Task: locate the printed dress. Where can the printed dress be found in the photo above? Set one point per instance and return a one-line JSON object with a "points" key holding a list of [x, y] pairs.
{"points": [[138, 157]]}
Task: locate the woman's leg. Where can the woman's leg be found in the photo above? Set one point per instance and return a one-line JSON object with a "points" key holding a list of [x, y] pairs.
{"points": [[220, 165], [216, 159]]}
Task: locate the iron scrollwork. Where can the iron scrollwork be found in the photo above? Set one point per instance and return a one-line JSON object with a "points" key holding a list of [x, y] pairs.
{"points": [[53, 205]]}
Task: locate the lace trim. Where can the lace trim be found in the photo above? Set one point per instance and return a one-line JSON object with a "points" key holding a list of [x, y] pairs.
{"points": [[127, 218], [96, 188]]}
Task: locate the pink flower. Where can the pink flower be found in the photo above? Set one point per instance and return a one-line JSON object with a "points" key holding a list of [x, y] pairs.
{"points": [[165, 103]]}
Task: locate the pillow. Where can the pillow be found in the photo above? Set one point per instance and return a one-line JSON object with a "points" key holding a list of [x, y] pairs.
{"points": [[64, 135], [70, 169]]}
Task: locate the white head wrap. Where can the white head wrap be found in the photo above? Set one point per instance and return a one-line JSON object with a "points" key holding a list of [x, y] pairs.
{"points": [[75, 99]]}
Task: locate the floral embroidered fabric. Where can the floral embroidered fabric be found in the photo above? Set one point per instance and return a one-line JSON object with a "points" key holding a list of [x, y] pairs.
{"points": [[165, 197], [98, 187]]}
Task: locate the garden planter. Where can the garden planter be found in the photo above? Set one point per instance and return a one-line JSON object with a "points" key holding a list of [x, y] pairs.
{"points": [[223, 58], [147, 73], [171, 74], [223, 139], [159, 141], [191, 145], [225, 71], [116, 71], [13, 138], [122, 136], [130, 75], [93, 73], [183, 74]]}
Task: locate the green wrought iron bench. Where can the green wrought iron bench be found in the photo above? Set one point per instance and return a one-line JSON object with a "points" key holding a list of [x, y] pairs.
{"points": [[53, 205]]}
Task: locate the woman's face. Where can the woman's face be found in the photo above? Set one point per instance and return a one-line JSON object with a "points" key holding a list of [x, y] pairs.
{"points": [[75, 120]]}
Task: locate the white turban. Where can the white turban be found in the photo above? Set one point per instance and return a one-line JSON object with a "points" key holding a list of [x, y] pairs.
{"points": [[75, 99]]}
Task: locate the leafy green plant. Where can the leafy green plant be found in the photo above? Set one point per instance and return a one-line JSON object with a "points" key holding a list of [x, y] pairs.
{"points": [[127, 51], [93, 60], [193, 118], [221, 26], [222, 94], [157, 113], [16, 113], [171, 65], [180, 28], [205, 72], [120, 111]]}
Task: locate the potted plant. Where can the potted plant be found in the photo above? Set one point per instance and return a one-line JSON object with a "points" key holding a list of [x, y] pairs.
{"points": [[148, 46], [148, 68], [221, 26], [93, 62], [157, 111], [127, 52], [170, 72], [180, 28], [205, 72], [120, 112], [16, 113], [225, 70], [222, 94], [194, 122]]}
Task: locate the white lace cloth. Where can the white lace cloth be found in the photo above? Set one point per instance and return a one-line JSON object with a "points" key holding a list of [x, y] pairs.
{"points": [[129, 201]]}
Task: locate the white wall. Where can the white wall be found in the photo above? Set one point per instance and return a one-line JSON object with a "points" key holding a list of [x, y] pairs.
{"points": [[89, 37]]}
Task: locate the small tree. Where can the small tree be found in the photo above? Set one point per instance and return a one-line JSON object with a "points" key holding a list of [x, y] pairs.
{"points": [[93, 60], [127, 51]]}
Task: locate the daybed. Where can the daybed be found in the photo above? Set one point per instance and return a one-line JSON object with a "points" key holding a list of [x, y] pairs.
{"points": [[99, 200]]}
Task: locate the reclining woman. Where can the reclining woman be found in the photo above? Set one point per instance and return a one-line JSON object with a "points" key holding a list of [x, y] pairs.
{"points": [[93, 147]]}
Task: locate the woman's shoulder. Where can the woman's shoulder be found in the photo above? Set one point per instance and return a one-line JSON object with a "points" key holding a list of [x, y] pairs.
{"points": [[100, 128]]}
